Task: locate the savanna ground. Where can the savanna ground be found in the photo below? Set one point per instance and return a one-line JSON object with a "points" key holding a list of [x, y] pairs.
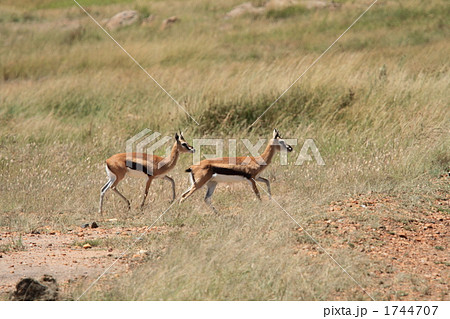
{"points": [[376, 106]]}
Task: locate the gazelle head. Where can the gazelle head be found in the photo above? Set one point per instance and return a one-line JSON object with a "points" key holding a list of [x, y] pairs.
{"points": [[182, 144], [279, 143]]}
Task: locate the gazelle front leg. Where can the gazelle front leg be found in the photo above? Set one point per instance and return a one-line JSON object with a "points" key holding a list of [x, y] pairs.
{"points": [[255, 188], [147, 186], [266, 181], [170, 179]]}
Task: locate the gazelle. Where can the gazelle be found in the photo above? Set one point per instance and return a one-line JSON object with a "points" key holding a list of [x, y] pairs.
{"points": [[143, 165], [234, 169]]}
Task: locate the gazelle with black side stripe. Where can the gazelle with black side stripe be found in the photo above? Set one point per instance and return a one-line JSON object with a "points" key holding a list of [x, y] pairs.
{"points": [[143, 165], [210, 172]]}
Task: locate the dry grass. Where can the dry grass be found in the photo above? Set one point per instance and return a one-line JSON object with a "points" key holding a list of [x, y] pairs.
{"points": [[376, 106]]}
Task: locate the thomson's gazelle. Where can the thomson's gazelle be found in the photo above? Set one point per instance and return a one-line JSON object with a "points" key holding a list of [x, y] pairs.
{"points": [[143, 165], [210, 172]]}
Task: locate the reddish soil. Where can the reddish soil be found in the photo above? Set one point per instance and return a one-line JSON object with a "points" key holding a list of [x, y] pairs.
{"points": [[410, 240], [62, 255]]}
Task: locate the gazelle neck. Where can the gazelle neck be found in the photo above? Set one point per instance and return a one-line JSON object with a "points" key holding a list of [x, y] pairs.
{"points": [[171, 161], [268, 153]]}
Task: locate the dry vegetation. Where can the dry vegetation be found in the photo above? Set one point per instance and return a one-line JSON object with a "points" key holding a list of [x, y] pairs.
{"points": [[376, 106]]}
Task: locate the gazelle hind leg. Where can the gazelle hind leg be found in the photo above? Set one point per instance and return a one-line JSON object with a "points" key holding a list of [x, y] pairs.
{"points": [[191, 189], [112, 178], [195, 185], [211, 187], [188, 193], [102, 194]]}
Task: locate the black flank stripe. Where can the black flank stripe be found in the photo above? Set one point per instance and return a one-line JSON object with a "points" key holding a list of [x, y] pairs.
{"points": [[137, 167], [229, 171]]}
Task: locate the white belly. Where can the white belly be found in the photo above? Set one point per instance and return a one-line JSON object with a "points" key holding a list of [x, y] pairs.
{"points": [[219, 178]]}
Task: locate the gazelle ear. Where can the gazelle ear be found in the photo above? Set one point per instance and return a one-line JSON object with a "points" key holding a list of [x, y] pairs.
{"points": [[275, 133], [181, 135], [177, 137]]}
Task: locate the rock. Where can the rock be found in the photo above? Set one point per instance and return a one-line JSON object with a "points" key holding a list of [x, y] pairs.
{"points": [[244, 8], [85, 226], [279, 4], [315, 4], [122, 19], [87, 246], [166, 23], [94, 225], [29, 289], [308, 4]]}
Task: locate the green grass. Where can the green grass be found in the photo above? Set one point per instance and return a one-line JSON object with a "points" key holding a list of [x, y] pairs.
{"points": [[59, 4], [376, 105], [15, 244]]}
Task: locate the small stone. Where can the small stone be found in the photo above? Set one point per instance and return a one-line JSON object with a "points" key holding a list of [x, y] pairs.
{"points": [[121, 19], [85, 226], [94, 225], [244, 8], [87, 246], [169, 21]]}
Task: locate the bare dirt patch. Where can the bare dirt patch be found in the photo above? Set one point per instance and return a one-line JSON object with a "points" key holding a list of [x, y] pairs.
{"points": [[62, 255]]}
